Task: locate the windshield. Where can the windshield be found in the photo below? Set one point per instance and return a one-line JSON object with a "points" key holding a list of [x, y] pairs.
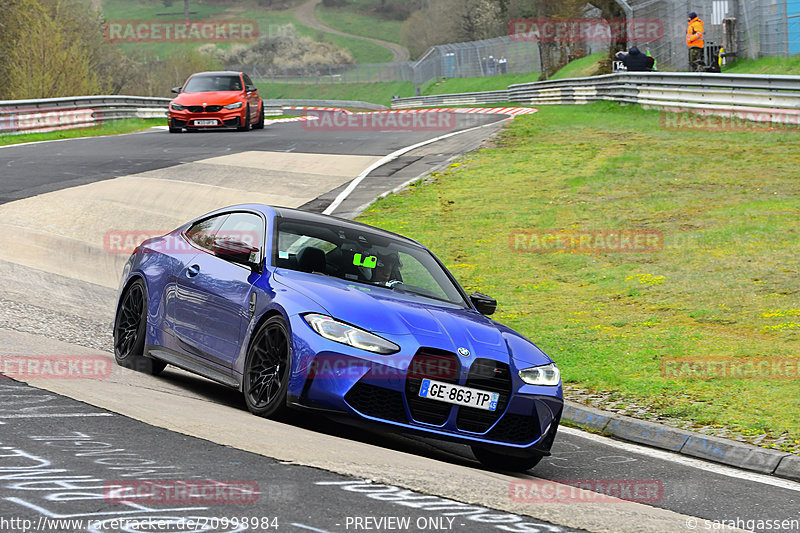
{"points": [[205, 84], [363, 256]]}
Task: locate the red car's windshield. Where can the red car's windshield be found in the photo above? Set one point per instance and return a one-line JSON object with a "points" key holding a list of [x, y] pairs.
{"points": [[206, 84]]}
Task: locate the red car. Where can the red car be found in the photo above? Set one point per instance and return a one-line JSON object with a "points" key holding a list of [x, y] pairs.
{"points": [[216, 100]]}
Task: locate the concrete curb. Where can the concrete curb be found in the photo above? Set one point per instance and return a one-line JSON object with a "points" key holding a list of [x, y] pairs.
{"points": [[715, 449]]}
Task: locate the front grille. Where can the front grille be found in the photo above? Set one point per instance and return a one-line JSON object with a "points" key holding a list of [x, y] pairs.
{"points": [[377, 402], [515, 428], [194, 108], [487, 375], [433, 364], [213, 108]]}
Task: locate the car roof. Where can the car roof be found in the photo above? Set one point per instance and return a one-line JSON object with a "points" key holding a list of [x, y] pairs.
{"points": [[305, 216], [217, 73]]}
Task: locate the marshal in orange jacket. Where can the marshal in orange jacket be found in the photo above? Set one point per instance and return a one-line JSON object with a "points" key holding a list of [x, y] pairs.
{"points": [[694, 33]]}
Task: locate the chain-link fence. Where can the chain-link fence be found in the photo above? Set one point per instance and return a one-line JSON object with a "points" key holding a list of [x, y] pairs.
{"points": [[748, 28], [751, 28], [489, 57], [476, 59]]}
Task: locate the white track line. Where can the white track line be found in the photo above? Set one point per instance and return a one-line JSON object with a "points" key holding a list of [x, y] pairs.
{"points": [[387, 159], [685, 460]]}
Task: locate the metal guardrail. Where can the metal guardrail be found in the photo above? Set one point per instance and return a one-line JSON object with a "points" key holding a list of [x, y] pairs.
{"points": [[325, 103], [49, 114], [740, 94], [486, 97]]}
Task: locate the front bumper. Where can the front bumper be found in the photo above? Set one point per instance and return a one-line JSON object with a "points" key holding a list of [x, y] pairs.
{"points": [[225, 119], [385, 389]]}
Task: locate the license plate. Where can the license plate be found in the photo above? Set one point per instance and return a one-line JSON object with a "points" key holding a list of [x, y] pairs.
{"points": [[205, 122], [458, 395]]}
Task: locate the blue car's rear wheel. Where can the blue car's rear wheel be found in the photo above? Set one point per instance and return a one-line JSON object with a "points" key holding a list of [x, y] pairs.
{"points": [[130, 326], [500, 461], [266, 377]]}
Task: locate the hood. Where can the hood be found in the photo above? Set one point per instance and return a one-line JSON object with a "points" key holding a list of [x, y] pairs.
{"points": [[394, 313], [210, 98], [634, 51]]}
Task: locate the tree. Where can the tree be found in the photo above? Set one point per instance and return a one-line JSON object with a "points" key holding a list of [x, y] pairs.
{"points": [[42, 58]]}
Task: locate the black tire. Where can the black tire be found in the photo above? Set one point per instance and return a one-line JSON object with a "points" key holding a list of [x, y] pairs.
{"points": [[266, 371], [246, 125], [260, 124], [508, 463], [130, 326], [175, 130]]}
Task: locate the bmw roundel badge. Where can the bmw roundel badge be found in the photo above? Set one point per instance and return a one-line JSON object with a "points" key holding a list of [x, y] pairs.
{"points": [[463, 352]]}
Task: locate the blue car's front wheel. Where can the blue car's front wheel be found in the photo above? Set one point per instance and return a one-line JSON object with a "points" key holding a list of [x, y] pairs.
{"points": [[266, 376]]}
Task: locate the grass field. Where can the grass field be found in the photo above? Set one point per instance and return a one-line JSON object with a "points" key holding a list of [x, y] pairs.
{"points": [[580, 68], [269, 23], [110, 128], [351, 19], [789, 66], [490, 83], [379, 93], [724, 285]]}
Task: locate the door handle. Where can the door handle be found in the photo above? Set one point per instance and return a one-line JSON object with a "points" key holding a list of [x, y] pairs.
{"points": [[192, 271]]}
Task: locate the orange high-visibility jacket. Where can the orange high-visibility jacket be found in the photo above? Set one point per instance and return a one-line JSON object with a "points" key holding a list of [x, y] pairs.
{"points": [[694, 34]]}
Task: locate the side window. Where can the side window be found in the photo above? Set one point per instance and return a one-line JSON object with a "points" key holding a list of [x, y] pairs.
{"points": [[202, 233], [247, 79], [247, 228], [415, 274]]}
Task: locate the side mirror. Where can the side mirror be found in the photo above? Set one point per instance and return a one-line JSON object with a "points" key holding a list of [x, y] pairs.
{"points": [[176, 90], [485, 305], [250, 88], [236, 252]]}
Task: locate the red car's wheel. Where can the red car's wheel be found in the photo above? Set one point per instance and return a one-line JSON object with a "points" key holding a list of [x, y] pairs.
{"points": [[260, 124], [246, 125]]}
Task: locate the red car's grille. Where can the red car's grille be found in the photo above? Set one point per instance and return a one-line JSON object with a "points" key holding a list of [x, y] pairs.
{"points": [[206, 109]]}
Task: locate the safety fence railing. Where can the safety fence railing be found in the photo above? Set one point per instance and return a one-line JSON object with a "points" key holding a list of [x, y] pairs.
{"points": [[739, 94], [51, 114]]}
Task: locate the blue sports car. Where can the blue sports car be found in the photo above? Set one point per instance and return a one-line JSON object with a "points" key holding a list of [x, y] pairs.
{"points": [[306, 311]]}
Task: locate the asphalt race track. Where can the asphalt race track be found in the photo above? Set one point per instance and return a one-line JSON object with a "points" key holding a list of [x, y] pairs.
{"points": [[58, 200]]}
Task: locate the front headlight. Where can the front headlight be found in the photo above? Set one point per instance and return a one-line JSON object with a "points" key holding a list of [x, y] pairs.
{"points": [[548, 375], [235, 105], [357, 338], [177, 107]]}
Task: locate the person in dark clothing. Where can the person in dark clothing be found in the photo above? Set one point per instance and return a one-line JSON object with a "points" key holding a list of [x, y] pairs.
{"points": [[636, 61]]}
